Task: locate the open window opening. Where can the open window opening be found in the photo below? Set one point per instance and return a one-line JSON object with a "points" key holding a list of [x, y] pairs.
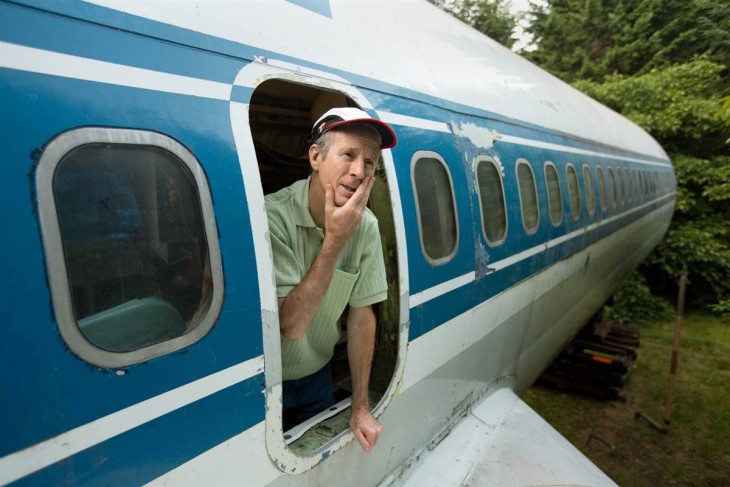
{"points": [[281, 115]]}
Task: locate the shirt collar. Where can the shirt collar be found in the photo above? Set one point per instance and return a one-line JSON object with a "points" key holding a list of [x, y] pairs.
{"points": [[302, 216]]}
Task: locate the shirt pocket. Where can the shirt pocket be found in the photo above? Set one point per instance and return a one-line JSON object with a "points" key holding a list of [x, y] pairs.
{"points": [[338, 294]]}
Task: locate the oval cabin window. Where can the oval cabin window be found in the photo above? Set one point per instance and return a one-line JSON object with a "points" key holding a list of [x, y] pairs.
{"points": [[590, 193], [528, 196], [436, 209], [573, 191], [555, 197], [132, 242], [491, 199]]}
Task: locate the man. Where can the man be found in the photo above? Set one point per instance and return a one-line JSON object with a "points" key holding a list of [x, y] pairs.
{"points": [[327, 255]]}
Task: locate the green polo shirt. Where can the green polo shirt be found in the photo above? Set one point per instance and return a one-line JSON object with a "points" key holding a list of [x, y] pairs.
{"points": [[359, 278]]}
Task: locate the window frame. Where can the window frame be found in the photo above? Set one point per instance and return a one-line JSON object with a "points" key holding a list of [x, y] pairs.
{"points": [[612, 186], [56, 267], [621, 185], [498, 167], [602, 198], [519, 162], [560, 193], [426, 154], [589, 189], [575, 215], [627, 179]]}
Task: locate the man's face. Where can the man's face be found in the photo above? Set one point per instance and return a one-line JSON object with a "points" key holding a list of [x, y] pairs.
{"points": [[352, 156]]}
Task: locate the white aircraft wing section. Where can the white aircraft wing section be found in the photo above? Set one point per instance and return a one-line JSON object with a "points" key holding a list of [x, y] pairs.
{"points": [[502, 442]]}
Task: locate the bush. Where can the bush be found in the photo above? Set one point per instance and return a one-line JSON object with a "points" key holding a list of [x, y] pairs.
{"points": [[634, 303]]}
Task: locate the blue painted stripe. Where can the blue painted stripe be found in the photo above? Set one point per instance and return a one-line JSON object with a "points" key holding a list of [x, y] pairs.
{"points": [[434, 313], [94, 40], [55, 391], [210, 44], [426, 276], [144, 453], [241, 94]]}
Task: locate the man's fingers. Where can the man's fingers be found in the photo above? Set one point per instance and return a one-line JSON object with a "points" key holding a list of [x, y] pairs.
{"points": [[364, 442], [372, 436], [362, 193], [329, 198]]}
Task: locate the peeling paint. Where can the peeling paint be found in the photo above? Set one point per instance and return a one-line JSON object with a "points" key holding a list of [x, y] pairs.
{"points": [[481, 137], [482, 258]]}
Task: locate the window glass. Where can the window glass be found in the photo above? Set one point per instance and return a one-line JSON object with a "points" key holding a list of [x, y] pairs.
{"points": [[601, 188], [612, 187], [620, 184], [627, 184], [134, 244], [642, 183], [491, 198], [590, 195], [639, 184], [436, 209], [555, 199], [632, 184], [573, 191], [528, 196]]}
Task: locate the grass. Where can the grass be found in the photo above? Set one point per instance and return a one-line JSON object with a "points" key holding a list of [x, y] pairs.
{"points": [[696, 452]]}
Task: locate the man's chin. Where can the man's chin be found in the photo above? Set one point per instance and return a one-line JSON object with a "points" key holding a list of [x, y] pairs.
{"points": [[341, 199]]}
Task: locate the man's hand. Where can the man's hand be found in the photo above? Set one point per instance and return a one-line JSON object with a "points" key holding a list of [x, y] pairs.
{"points": [[299, 307], [366, 428], [341, 221]]}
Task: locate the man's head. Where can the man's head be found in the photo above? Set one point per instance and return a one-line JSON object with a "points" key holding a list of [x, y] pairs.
{"points": [[346, 149]]}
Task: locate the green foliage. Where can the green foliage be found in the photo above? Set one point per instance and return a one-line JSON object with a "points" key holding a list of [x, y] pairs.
{"points": [[634, 303], [664, 65], [700, 234], [722, 308], [677, 104], [490, 17], [723, 114], [591, 39]]}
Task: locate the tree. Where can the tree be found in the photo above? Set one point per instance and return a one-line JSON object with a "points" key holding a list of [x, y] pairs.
{"points": [[677, 105], [490, 17], [663, 64], [590, 39]]}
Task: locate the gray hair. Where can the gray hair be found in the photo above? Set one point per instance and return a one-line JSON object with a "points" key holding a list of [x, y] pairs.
{"points": [[324, 141]]}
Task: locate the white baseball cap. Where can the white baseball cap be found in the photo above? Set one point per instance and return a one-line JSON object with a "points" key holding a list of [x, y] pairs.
{"points": [[337, 117]]}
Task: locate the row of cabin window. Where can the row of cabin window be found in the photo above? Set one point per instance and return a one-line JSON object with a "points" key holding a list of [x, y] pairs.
{"points": [[133, 231], [437, 209]]}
